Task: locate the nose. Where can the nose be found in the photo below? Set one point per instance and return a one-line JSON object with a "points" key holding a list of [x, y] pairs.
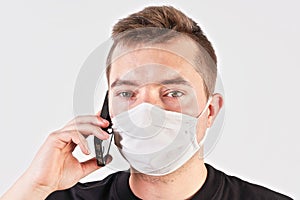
{"points": [[150, 94]]}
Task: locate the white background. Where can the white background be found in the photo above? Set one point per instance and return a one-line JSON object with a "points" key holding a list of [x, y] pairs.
{"points": [[44, 43]]}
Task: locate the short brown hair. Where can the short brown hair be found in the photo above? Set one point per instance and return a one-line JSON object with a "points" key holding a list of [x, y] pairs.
{"points": [[158, 20]]}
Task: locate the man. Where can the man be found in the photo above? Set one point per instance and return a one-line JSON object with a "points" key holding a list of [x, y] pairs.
{"points": [[161, 74]]}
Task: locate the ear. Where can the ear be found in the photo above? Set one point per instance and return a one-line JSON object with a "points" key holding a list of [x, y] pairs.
{"points": [[215, 106]]}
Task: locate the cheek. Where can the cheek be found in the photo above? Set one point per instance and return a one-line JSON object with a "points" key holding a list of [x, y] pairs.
{"points": [[189, 106], [117, 107], [201, 128]]}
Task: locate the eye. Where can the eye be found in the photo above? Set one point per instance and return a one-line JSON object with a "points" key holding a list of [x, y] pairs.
{"points": [[174, 94], [125, 94]]}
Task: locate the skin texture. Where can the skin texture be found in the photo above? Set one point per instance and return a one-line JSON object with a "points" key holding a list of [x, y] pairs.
{"points": [[143, 75], [55, 168]]}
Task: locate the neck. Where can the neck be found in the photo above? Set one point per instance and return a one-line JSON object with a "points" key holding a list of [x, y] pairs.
{"points": [[181, 184]]}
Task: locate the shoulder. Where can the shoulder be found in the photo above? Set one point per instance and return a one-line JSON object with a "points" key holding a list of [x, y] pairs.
{"points": [[247, 190], [91, 190], [237, 188]]}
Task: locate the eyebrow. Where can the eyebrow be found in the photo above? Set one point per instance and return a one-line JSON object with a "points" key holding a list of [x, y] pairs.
{"points": [[173, 81], [176, 81], [119, 82]]}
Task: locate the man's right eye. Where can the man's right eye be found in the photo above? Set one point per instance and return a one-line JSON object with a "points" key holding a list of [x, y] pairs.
{"points": [[125, 94]]}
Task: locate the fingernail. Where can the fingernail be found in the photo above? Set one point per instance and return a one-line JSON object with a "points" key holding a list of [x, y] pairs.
{"points": [[101, 120], [105, 121], [87, 149], [103, 135]]}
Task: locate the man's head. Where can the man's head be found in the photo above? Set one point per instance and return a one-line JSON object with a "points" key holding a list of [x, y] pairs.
{"points": [[161, 57], [161, 25]]}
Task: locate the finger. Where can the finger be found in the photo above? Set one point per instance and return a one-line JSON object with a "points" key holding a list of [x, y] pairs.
{"points": [[98, 113], [88, 129], [89, 166], [90, 119], [108, 158], [63, 139], [83, 140]]}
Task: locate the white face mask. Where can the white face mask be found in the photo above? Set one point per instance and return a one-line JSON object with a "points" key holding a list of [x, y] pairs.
{"points": [[155, 141]]}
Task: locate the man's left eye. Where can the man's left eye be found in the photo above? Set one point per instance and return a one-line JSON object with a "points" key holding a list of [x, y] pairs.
{"points": [[174, 94]]}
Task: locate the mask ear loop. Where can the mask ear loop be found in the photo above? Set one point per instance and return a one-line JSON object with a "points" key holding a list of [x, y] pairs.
{"points": [[207, 129], [206, 106]]}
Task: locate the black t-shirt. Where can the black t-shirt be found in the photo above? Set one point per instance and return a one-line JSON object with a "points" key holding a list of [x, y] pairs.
{"points": [[217, 186]]}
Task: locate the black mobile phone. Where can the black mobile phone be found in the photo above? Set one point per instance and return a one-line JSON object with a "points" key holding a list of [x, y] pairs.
{"points": [[102, 147]]}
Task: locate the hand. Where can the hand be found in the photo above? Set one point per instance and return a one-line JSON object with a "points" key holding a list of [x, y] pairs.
{"points": [[54, 167]]}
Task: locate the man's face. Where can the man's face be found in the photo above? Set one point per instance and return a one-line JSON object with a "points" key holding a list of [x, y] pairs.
{"points": [[158, 77]]}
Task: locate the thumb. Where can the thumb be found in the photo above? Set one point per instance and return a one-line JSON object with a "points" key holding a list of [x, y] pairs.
{"points": [[89, 166]]}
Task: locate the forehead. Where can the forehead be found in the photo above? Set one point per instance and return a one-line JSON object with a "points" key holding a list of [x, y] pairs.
{"points": [[148, 63], [155, 63]]}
